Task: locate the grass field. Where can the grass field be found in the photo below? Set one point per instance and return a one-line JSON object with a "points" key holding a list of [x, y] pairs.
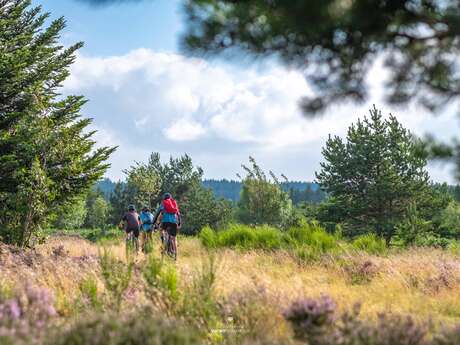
{"points": [[422, 282]]}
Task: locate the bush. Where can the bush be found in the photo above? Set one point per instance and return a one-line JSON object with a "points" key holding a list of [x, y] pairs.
{"points": [[208, 237], [309, 242], [139, 328], [245, 237], [311, 318], [316, 322], [359, 271], [313, 236], [25, 316], [370, 243]]}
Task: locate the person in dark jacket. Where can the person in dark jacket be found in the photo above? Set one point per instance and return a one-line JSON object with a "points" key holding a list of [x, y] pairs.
{"points": [[132, 221]]}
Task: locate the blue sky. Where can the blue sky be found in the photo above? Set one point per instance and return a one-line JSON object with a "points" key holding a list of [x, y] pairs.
{"points": [[146, 96], [118, 28]]}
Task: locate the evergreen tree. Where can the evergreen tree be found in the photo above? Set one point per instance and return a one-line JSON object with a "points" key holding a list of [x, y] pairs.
{"points": [[122, 196], [374, 176], [47, 155], [199, 207]]}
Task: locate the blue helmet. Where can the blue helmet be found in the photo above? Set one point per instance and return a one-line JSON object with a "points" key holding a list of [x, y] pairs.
{"points": [[167, 196]]}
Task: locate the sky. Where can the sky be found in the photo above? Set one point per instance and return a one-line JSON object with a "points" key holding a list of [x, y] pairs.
{"points": [[146, 96]]}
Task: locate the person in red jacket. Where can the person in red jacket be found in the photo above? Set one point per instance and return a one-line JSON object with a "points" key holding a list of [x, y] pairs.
{"points": [[171, 218]]}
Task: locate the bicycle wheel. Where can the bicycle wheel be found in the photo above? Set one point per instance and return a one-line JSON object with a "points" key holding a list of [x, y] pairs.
{"points": [[171, 250]]}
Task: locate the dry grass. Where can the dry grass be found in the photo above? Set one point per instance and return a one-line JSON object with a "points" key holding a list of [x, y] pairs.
{"points": [[422, 282]]}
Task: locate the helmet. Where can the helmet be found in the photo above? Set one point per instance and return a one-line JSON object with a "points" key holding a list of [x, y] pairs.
{"points": [[167, 196], [131, 208], [145, 209]]}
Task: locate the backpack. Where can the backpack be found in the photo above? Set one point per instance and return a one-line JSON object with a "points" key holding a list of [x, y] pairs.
{"points": [[147, 217], [170, 206], [132, 220]]}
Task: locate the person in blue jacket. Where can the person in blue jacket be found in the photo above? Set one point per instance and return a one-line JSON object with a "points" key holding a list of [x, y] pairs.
{"points": [[147, 222]]}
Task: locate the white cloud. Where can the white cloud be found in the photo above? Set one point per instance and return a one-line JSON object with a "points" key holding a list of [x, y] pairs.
{"points": [[184, 130], [148, 101]]}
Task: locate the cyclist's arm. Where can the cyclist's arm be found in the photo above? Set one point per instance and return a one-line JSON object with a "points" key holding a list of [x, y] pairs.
{"points": [[179, 220], [122, 222], [157, 214]]}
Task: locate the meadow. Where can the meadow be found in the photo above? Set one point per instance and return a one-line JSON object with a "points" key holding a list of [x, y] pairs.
{"points": [[229, 292]]}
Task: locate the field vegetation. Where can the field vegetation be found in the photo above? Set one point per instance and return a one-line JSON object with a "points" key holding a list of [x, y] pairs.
{"points": [[73, 291]]}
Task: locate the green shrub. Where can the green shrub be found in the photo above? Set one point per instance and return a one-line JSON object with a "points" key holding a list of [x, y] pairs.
{"points": [[454, 247], [89, 292], [370, 243], [313, 236], [245, 237], [208, 237], [161, 276]]}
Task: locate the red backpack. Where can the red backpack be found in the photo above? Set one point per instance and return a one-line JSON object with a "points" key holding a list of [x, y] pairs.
{"points": [[170, 206]]}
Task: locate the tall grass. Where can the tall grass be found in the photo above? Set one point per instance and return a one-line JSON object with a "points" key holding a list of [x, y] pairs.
{"points": [[370, 243], [308, 242]]}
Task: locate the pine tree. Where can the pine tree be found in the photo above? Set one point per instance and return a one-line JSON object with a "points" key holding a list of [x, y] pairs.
{"points": [[374, 176], [47, 154]]}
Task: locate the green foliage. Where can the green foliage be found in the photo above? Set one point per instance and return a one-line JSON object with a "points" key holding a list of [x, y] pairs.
{"points": [[308, 242], [117, 275], [160, 275], [209, 237], [70, 215], [97, 210], [450, 221], [244, 237], [413, 229], [373, 176], [47, 154], [144, 178], [177, 176], [90, 293], [200, 208], [122, 196], [262, 200], [370, 243], [311, 239]]}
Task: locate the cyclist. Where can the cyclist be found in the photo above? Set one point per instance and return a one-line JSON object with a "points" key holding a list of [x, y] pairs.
{"points": [[132, 223], [171, 219], [147, 226]]}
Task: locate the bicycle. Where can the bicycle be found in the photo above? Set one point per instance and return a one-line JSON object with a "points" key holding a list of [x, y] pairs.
{"points": [[167, 246], [132, 242]]}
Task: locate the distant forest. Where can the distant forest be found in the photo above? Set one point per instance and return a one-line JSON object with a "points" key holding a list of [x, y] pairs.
{"points": [[229, 189]]}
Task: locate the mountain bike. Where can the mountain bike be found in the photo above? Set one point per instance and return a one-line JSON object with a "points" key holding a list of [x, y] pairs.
{"points": [[132, 243], [167, 246]]}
